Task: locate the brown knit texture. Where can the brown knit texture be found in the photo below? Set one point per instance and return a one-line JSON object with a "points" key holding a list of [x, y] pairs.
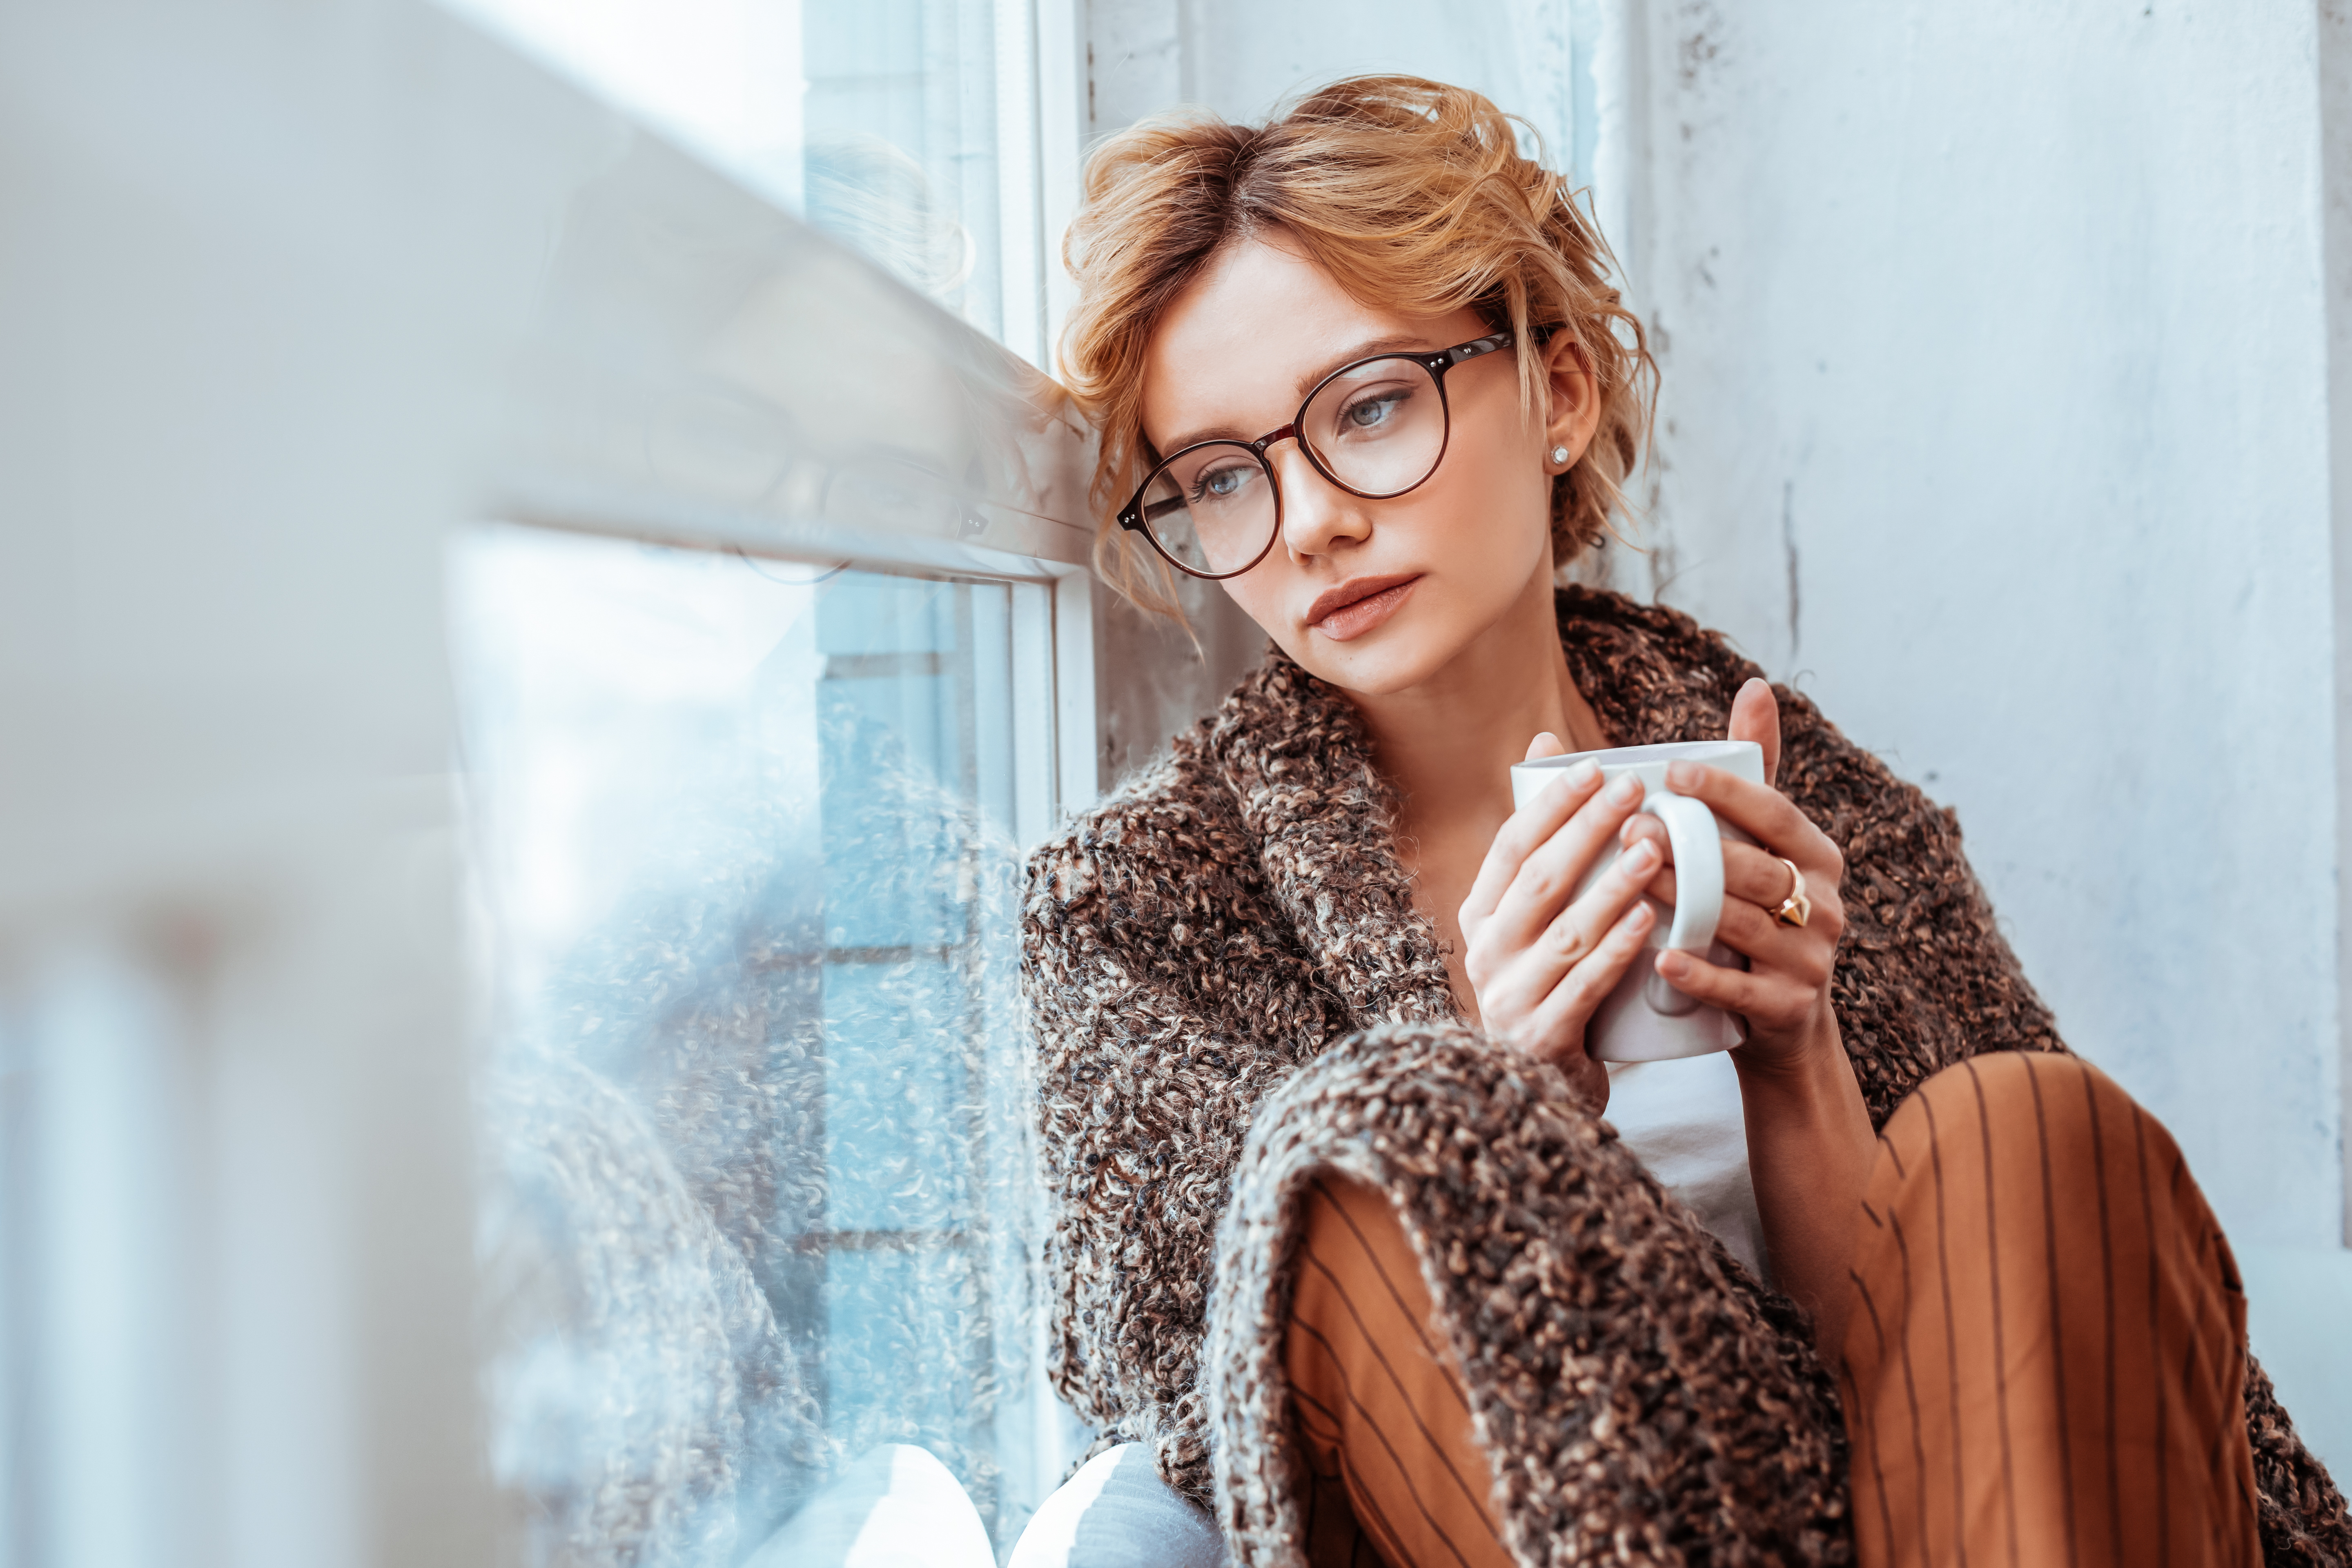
{"points": [[1655, 1403], [1236, 911], [2301, 1514]]}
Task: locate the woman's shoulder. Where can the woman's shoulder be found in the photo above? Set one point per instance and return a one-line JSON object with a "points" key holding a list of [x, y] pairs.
{"points": [[1173, 824], [1159, 818], [1185, 809]]}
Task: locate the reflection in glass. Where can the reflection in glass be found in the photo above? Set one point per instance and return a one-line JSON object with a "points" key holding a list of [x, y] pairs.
{"points": [[758, 1186]]}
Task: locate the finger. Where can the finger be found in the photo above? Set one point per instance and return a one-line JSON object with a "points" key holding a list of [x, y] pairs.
{"points": [[1642, 825], [1756, 716], [1766, 814], [1763, 997], [1549, 876], [1545, 744], [1580, 992], [1572, 936], [1527, 828], [1761, 877], [1805, 953], [1758, 934], [1756, 875]]}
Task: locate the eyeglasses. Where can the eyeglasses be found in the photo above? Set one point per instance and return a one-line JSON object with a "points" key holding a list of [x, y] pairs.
{"points": [[1375, 429]]}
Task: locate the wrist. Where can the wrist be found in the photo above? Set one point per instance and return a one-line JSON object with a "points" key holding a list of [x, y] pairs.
{"points": [[1814, 1062]]}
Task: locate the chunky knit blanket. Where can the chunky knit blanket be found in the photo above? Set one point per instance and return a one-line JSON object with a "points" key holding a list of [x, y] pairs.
{"points": [[1229, 939]]}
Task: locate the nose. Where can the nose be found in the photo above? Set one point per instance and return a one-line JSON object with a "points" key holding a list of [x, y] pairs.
{"points": [[1317, 515]]}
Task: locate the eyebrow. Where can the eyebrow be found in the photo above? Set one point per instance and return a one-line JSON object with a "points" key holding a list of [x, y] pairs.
{"points": [[1304, 385]]}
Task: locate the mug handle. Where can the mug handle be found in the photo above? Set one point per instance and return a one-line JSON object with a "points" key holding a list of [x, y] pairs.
{"points": [[1698, 891]]}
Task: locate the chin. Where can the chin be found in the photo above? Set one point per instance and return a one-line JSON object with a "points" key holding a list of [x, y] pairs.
{"points": [[1391, 659]]}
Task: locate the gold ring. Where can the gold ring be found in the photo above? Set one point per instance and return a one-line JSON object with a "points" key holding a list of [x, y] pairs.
{"points": [[1796, 908]]}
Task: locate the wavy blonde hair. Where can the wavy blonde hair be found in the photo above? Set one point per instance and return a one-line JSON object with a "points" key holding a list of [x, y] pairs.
{"points": [[1412, 196]]}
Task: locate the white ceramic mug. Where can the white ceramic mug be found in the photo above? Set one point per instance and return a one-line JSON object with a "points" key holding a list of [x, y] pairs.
{"points": [[1645, 1020]]}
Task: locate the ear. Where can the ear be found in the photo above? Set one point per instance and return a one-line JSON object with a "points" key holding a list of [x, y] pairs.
{"points": [[1572, 400]]}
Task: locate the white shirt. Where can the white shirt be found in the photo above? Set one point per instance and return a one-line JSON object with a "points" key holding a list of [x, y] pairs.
{"points": [[1683, 1120]]}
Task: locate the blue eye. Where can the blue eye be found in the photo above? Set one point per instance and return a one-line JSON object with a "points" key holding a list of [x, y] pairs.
{"points": [[1371, 413], [1221, 484]]}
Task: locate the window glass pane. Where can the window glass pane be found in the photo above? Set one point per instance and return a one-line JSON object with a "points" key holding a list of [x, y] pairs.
{"points": [[905, 126], [759, 1184]]}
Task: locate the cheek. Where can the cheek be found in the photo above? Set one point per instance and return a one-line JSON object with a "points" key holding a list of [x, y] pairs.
{"points": [[1257, 593], [1491, 517], [1502, 467]]}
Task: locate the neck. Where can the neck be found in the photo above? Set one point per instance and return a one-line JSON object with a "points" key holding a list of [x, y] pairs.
{"points": [[1447, 745]]}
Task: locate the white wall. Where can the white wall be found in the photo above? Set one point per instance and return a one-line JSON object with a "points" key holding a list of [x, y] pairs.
{"points": [[1996, 418]]}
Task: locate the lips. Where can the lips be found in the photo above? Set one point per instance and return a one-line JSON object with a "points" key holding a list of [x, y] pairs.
{"points": [[1357, 606]]}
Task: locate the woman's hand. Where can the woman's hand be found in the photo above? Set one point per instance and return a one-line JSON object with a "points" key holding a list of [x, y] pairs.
{"points": [[1538, 963], [1809, 1143], [1784, 993]]}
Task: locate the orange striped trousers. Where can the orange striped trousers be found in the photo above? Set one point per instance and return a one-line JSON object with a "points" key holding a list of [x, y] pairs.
{"points": [[2045, 1363]]}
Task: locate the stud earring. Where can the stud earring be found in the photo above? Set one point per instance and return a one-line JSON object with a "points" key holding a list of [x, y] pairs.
{"points": [[1560, 456]]}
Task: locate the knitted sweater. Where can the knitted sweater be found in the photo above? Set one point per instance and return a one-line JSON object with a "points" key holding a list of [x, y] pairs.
{"points": [[1238, 911]]}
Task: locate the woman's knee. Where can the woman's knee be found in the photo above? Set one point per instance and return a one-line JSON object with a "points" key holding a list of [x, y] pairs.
{"points": [[1358, 1285], [2042, 1145], [2057, 1112], [2015, 1082]]}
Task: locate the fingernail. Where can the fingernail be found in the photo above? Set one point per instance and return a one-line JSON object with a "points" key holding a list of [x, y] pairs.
{"points": [[1681, 775], [1626, 790], [1641, 859], [1672, 963], [1583, 773]]}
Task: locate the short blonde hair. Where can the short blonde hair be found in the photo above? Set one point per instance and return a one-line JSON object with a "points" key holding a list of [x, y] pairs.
{"points": [[1411, 194]]}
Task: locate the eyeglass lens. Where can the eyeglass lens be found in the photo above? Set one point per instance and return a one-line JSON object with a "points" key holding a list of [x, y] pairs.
{"points": [[1378, 428]]}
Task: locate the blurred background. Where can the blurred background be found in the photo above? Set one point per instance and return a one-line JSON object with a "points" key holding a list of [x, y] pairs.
{"points": [[543, 598]]}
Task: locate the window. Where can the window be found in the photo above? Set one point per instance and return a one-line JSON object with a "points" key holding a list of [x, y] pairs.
{"points": [[747, 836], [771, 662], [910, 129]]}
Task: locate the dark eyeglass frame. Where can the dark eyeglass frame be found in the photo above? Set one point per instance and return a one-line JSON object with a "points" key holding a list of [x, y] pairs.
{"points": [[1132, 518]]}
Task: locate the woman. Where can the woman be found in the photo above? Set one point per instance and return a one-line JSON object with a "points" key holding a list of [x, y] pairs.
{"points": [[1342, 1235]]}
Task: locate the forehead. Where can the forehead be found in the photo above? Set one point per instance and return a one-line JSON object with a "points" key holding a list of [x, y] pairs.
{"points": [[1229, 353]]}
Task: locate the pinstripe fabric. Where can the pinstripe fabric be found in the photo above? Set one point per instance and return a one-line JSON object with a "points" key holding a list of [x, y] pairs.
{"points": [[2046, 1360], [2046, 1363], [1378, 1403]]}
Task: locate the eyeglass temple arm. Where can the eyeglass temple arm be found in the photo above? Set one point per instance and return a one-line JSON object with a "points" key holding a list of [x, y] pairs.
{"points": [[1144, 514], [1475, 347]]}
